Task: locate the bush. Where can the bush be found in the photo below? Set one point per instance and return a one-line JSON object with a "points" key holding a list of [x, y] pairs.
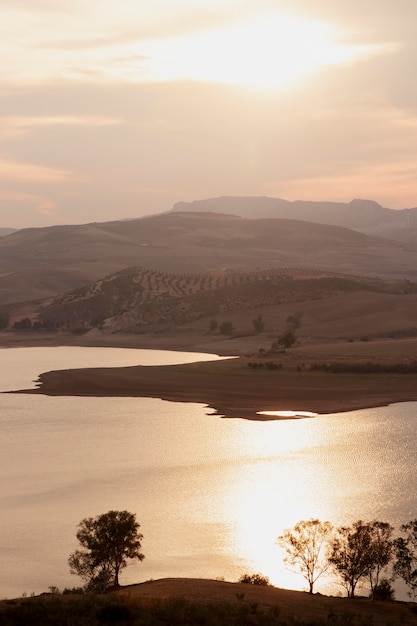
{"points": [[255, 579], [258, 323], [4, 319], [226, 327], [383, 591]]}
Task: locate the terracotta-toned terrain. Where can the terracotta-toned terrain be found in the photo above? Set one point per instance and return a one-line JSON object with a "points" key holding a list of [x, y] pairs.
{"points": [[40, 263], [289, 604]]}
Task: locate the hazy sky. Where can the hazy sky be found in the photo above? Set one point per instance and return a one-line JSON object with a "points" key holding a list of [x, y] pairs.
{"points": [[119, 109]]}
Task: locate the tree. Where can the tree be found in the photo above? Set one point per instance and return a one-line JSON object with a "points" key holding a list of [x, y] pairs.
{"points": [[382, 553], [294, 320], [213, 325], [258, 323], [109, 540], [405, 549], [4, 319], [360, 551], [287, 339], [307, 546], [226, 327], [23, 324]]}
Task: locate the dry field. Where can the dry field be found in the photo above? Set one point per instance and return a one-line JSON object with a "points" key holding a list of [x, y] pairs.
{"points": [[290, 603]]}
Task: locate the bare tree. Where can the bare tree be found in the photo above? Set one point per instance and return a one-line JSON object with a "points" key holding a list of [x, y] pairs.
{"points": [[307, 547]]}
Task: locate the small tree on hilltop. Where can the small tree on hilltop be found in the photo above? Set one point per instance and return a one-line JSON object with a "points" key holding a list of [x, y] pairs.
{"points": [[109, 540], [213, 325], [361, 551], [294, 320], [307, 547], [226, 327], [382, 553], [4, 319], [405, 549], [258, 323], [287, 339]]}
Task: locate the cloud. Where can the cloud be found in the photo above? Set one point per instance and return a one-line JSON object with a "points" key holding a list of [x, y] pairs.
{"points": [[17, 172], [12, 125], [153, 191]]}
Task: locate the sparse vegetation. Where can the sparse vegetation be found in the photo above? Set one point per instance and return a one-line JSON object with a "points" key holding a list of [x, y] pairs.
{"points": [[268, 365], [366, 368]]}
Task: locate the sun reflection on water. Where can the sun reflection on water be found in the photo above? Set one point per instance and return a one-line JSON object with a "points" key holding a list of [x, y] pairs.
{"points": [[288, 414], [329, 468]]}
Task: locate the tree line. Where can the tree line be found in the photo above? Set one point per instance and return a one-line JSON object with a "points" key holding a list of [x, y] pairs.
{"points": [[362, 551]]}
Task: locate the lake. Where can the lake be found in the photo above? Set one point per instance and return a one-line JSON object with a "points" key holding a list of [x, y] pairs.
{"points": [[211, 494]]}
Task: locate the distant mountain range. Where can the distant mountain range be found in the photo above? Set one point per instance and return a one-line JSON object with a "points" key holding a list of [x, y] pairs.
{"points": [[366, 216]]}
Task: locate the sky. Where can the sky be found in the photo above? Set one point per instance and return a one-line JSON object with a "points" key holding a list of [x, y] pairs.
{"points": [[113, 110]]}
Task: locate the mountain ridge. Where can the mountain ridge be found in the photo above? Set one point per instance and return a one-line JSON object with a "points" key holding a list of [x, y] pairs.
{"points": [[358, 214]]}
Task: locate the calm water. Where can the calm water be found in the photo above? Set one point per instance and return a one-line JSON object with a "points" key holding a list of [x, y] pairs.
{"points": [[211, 494]]}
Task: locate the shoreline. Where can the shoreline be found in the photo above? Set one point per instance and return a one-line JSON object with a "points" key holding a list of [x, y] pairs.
{"points": [[229, 387]]}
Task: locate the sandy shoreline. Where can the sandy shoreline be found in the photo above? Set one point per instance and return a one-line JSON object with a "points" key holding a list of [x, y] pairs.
{"points": [[230, 388]]}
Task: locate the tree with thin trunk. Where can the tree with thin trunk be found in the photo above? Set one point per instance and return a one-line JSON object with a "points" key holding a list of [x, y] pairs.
{"points": [[405, 549], [109, 540], [382, 552], [307, 547], [361, 551]]}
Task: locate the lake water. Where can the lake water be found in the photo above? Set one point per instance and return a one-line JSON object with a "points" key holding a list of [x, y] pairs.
{"points": [[211, 494]]}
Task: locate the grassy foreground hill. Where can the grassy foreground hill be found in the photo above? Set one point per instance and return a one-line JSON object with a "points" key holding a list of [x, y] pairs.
{"points": [[181, 602]]}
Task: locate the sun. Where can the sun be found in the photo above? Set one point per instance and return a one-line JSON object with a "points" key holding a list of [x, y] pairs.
{"points": [[271, 50]]}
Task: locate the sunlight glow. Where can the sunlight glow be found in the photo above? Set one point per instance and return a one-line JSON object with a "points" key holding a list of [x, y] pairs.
{"points": [[289, 414], [269, 51]]}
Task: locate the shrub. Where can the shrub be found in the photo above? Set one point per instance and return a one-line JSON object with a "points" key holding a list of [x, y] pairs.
{"points": [[226, 327], [383, 591], [255, 579]]}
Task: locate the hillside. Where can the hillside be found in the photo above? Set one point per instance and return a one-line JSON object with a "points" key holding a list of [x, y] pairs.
{"points": [[185, 243], [365, 216], [191, 601], [6, 231], [140, 300]]}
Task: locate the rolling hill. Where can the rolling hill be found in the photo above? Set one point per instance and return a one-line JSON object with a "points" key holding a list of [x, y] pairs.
{"points": [[140, 300], [39, 263]]}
